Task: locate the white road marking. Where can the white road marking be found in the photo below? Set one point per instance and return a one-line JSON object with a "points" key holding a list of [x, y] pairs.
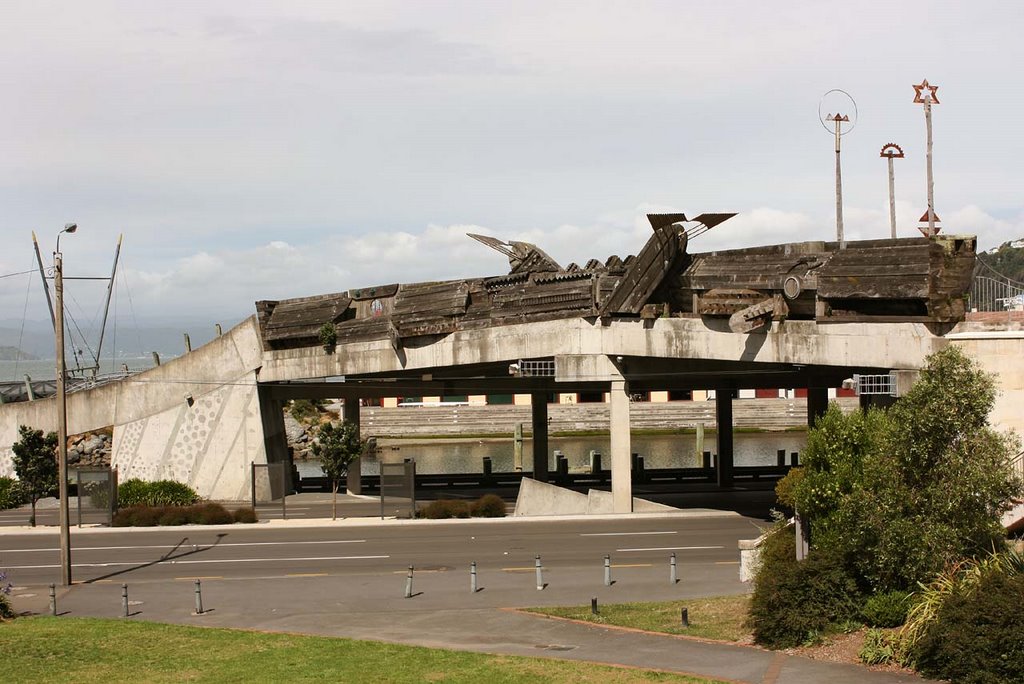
{"points": [[672, 548], [622, 534], [196, 562], [186, 545]]}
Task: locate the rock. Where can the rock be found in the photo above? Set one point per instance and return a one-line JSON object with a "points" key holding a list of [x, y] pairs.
{"points": [[293, 430]]}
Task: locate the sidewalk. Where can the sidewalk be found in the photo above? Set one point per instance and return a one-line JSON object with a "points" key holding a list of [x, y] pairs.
{"points": [[441, 614]]}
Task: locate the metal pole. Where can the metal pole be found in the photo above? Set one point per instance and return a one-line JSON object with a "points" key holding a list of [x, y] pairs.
{"points": [[62, 423], [593, 606], [540, 573], [53, 599], [684, 617], [672, 574], [124, 599], [408, 584], [472, 577], [607, 570], [839, 190], [892, 199]]}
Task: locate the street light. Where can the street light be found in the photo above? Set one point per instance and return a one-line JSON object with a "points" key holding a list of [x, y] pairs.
{"points": [[62, 411]]}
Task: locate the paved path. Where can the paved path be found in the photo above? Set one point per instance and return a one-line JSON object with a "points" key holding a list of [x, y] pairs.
{"points": [[443, 612]]}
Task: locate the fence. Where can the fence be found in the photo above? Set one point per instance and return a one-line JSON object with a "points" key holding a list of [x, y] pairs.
{"points": [[996, 294]]}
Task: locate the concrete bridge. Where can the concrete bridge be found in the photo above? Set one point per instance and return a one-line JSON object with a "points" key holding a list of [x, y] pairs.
{"points": [[204, 417], [794, 316]]}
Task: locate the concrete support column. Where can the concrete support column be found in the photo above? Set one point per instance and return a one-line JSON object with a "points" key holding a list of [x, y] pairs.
{"points": [[817, 404], [723, 423], [354, 478], [622, 484], [539, 411]]}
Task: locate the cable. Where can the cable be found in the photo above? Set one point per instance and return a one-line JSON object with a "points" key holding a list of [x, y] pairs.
{"points": [[11, 275], [21, 334]]}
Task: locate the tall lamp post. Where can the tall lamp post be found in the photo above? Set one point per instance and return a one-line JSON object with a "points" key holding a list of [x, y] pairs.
{"points": [[62, 411]]}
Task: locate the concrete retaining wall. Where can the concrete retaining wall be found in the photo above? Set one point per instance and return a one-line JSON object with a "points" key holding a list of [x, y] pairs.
{"points": [[195, 419]]}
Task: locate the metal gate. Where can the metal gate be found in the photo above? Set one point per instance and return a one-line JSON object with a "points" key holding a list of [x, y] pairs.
{"points": [[398, 489], [270, 489]]}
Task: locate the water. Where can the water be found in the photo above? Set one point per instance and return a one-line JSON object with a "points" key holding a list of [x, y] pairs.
{"points": [[46, 369], [671, 451]]}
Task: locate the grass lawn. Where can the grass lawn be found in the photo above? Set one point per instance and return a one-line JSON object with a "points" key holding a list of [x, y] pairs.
{"points": [[46, 649], [719, 617]]}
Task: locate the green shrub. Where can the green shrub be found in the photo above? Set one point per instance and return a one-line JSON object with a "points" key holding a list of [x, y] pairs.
{"points": [[132, 492], [12, 494], [137, 492], [794, 602], [445, 508], [888, 609], [211, 514], [245, 515], [306, 410], [488, 506], [880, 647], [171, 493], [976, 637]]}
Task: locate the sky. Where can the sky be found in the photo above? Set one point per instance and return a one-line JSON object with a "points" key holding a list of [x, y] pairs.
{"points": [[264, 150]]}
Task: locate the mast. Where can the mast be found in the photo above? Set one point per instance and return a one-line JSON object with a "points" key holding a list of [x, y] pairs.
{"points": [[42, 275], [106, 306]]}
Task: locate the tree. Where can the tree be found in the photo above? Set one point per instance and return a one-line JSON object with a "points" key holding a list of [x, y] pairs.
{"points": [[900, 494], [337, 446], [35, 463]]}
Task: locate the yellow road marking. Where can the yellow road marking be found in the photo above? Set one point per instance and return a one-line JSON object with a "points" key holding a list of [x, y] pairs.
{"points": [[519, 569], [631, 565], [727, 562], [199, 577]]}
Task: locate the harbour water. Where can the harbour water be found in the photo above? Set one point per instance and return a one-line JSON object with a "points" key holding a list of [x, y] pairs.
{"points": [[46, 369], [658, 451]]}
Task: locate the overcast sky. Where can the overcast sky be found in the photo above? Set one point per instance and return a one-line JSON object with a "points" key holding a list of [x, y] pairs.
{"points": [[262, 150]]}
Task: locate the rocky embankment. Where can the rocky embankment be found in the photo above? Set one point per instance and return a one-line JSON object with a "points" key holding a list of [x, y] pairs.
{"points": [[89, 450]]}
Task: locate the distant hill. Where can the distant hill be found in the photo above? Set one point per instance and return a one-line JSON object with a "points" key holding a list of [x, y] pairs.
{"points": [[15, 354], [1007, 260]]}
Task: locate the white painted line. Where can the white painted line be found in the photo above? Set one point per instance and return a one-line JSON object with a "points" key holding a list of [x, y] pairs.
{"points": [[185, 546], [622, 534], [196, 562], [672, 548]]}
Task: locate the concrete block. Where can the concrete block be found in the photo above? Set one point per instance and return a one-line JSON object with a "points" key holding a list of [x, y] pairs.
{"points": [[541, 498]]}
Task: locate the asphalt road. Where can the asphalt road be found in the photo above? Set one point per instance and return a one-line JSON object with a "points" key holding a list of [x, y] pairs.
{"points": [[571, 551]]}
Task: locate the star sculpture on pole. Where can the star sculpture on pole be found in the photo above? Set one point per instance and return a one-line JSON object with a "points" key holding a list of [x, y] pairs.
{"points": [[920, 97], [926, 94]]}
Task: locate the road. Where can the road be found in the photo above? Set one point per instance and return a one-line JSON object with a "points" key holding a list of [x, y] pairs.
{"points": [[639, 548]]}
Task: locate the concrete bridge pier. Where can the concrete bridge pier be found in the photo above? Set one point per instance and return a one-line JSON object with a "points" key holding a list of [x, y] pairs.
{"points": [[354, 477], [619, 430], [539, 412], [723, 425]]}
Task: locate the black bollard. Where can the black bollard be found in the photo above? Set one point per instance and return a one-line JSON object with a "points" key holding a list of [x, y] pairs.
{"points": [[53, 599], [781, 456], [684, 617], [593, 606]]}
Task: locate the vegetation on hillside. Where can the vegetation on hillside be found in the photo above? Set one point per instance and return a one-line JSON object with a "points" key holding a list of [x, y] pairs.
{"points": [[1005, 260]]}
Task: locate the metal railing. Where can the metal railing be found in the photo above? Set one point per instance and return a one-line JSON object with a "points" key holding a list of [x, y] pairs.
{"points": [[990, 293]]}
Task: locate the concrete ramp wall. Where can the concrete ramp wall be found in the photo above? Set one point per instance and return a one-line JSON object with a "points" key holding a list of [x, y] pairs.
{"points": [[541, 498], [195, 419]]}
